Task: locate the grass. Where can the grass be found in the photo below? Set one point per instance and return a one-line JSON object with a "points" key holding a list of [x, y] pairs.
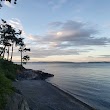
{"points": [[8, 72]]}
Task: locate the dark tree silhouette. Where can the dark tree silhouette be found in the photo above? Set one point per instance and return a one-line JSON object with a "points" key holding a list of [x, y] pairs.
{"points": [[8, 50], [23, 49], [15, 40], [1, 50], [15, 1], [25, 59], [8, 37]]}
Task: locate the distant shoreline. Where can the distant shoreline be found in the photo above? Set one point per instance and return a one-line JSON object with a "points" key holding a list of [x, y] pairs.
{"points": [[66, 62]]}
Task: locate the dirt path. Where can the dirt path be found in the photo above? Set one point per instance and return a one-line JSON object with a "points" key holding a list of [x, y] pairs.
{"points": [[41, 95]]}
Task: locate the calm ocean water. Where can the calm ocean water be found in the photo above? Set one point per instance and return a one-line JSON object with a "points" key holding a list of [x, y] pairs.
{"points": [[89, 82]]}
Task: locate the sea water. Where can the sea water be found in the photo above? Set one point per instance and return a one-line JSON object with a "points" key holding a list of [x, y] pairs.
{"points": [[89, 82]]}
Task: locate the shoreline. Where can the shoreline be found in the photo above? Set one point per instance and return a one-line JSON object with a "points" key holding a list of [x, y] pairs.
{"points": [[74, 98], [33, 90], [32, 79]]}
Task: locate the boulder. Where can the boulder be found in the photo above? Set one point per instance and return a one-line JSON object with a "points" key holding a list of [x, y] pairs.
{"points": [[34, 75], [16, 102]]}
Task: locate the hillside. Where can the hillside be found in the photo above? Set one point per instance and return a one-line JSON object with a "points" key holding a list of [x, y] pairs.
{"points": [[8, 72]]}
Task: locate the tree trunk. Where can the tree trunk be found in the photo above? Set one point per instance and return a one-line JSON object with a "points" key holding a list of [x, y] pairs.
{"points": [[4, 51], [21, 57], [11, 53], [1, 53], [8, 52]]}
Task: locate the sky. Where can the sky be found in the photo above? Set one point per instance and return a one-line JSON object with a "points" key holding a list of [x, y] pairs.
{"points": [[62, 30]]}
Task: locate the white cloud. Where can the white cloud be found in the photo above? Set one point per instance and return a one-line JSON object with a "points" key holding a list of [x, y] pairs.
{"points": [[42, 52], [63, 40], [75, 33], [16, 23], [8, 4]]}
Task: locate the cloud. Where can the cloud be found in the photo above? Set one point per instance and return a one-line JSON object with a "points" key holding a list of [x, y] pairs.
{"points": [[55, 24], [16, 23], [62, 38], [42, 53], [104, 56], [73, 33], [8, 4], [56, 3]]}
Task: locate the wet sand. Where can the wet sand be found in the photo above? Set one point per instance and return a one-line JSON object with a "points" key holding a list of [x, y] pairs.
{"points": [[42, 95]]}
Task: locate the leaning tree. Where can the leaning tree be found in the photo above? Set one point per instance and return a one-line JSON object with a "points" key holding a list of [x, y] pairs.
{"points": [[8, 37]]}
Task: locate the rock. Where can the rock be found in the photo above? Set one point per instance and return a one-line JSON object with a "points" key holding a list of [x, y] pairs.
{"points": [[42, 75], [34, 75], [17, 102], [26, 74]]}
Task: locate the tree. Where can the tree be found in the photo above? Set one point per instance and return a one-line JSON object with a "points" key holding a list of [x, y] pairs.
{"points": [[7, 44], [23, 49], [15, 40], [4, 36], [25, 59], [8, 50], [1, 51], [8, 37], [15, 1]]}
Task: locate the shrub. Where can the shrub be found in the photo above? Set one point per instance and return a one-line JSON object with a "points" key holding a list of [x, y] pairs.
{"points": [[5, 89], [8, 72]]}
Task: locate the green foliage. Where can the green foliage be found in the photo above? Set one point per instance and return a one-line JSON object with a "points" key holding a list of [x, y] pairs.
{"points": [[9, 37], [8, 72], [5, 89], [8, 68]]}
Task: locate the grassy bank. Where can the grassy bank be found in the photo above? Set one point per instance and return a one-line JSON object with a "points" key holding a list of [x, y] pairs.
{"points": [[8, 72]]}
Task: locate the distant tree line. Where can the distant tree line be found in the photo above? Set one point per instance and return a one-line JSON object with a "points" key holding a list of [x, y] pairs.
{"points": [[10, 38]]}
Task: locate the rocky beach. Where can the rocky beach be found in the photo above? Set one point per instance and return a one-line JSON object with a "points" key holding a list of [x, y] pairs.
{"points": [[41, 95]]}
